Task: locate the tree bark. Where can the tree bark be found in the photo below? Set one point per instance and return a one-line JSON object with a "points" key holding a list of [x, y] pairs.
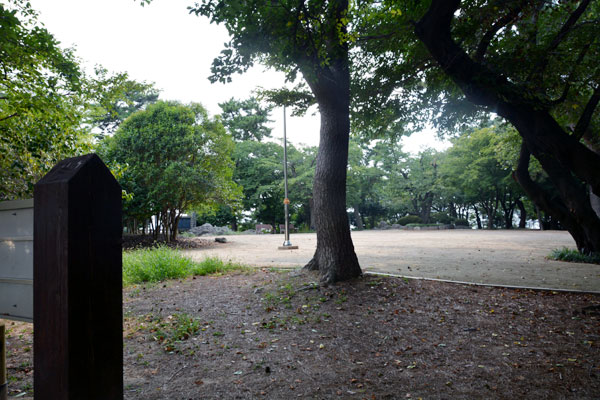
{"points": [[479, 226], [358, 218], [311, 213], [335, 257], [574, 211]]}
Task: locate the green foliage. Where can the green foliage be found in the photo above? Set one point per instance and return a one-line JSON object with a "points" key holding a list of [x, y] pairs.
{"points": [[410, 219], [299, 98], [118, 97], [213, 265], [162, 263], [461, 222], [246, 119], [523, 41], [572, 255], [441, 218], [296, 37], [155, 265], [177, 158], [42, 101], [478, 169], [171, 331], [259, 171]]}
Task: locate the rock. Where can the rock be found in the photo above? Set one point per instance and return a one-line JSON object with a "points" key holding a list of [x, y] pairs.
{"points": [[396, 226], [221, 240], [208, 229], [249, 232], [383, 225]]}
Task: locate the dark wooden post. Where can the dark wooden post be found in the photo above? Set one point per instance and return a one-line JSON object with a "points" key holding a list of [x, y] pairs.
{"points": [[77, 282]]}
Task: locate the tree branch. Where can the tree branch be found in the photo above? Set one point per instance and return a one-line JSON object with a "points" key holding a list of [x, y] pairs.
{"points": [[489, 35], [586, 116], [8, 117], [376, 37], [565, 92], [561, 35]]}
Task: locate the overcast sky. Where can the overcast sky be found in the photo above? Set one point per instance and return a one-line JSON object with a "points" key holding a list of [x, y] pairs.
{"points": [[162, 43]]}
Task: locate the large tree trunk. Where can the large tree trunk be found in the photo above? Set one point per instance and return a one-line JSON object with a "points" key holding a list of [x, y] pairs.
{"points": [[335, 257], [311, 208], [573, 211], [477, 218], [562, 156], [425, 211]]}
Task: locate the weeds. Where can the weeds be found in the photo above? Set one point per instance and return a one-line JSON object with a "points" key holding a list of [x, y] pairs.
{"points": [[171, 331], [162, 263], [571, 255]]}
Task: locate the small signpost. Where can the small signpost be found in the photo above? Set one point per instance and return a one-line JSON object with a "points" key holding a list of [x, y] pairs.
{"points": [[60, 268], [77, 282]]}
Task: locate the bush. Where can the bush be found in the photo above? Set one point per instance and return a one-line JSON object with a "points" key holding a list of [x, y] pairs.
{"points": [[572, 255], [162, 263], [422, 225], [410, 219], [461, 222], [441, 218]]}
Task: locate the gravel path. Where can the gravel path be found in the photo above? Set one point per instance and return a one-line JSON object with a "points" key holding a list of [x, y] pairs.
{"points": [[502, 257]]}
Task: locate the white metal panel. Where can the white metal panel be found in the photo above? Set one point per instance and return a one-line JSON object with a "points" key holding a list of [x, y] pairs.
{"points": [[16, 260], [16, 301], [16, 218]]}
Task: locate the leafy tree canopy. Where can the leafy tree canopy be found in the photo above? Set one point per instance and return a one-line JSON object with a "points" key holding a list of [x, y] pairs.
{"points": [[41, 101], [246, 119], [177, 158], [117, 97]]}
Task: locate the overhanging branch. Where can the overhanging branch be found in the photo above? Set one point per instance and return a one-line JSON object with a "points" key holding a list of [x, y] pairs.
{"points": [[586, 116]]}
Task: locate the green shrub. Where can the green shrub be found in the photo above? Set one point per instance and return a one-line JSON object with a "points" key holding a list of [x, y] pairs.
{"points": [[461, 222], [422, 225], [410, 219], [187, 235], [572, 255], [441, 218], [162, 263]]}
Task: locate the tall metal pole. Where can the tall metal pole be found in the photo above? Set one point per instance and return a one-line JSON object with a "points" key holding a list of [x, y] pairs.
{"points": [[286, 201], [287, 245]]}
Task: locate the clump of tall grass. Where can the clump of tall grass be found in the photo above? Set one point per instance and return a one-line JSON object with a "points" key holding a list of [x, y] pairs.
{"points": [[571, 255], [162, 263]]}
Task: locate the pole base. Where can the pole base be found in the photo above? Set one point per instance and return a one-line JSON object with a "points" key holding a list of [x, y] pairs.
{"points": [[290, 247]]}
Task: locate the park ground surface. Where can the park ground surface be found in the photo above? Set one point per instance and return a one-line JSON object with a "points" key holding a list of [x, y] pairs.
{"points": [[275, 334], [499, 257]]}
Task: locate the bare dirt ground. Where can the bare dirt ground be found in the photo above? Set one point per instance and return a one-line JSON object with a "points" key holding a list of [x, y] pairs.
{"points": [[500, 257], [279, 335]]}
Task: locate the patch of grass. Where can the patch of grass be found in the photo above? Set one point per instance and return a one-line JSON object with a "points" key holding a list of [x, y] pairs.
{"points": [[171, 331], [571, 255], [213, 265], [162, 263]]}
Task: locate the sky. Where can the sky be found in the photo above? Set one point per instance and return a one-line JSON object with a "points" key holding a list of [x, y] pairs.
{"points": [[164, 44]]}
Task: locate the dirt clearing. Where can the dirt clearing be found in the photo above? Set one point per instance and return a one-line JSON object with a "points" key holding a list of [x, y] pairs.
{"points": [[279, 336], [499, 257]]}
